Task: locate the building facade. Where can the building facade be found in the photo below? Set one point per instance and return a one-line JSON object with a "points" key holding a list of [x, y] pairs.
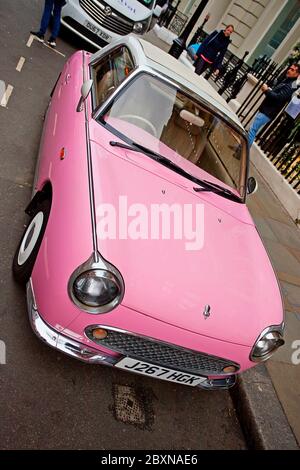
{"points": [[262, 27]]}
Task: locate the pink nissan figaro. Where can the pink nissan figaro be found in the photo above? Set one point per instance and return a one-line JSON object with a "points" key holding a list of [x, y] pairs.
{"points": [[140, 252]]}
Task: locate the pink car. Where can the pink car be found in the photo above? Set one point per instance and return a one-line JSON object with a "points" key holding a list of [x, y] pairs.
{"points": [[140, 252]]}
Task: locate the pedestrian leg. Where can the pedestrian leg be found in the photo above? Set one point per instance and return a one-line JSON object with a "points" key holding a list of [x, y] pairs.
{"points": [[259, 121], [56, 19], [200, 66], [46, 16]]}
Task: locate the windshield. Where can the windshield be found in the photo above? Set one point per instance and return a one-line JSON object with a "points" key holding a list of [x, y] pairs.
{"points": [[147, 3], [162, 118]]}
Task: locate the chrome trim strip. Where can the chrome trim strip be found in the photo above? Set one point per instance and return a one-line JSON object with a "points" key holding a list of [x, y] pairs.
{"points": [[219, 384], [112, 50], [96, 261], [118, 91], [200, 99], [90, 171], [58, 341], [154, 340]]}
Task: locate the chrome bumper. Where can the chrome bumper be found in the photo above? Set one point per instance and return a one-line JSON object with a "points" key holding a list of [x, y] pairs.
{"points": [[86, 354], [58, 341]]}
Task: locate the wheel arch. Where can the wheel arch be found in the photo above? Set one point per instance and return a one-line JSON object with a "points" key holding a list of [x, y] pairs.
{"points": [[44, 194]]}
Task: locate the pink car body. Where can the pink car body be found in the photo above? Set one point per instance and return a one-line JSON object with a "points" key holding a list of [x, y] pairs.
{"points": [[198, 313]]}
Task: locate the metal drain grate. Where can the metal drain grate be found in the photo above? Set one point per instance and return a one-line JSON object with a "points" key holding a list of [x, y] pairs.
{"points": [[128, 407]]}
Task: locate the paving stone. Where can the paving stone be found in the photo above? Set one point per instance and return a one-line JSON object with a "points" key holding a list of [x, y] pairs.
{"points": [[282, 259], [294, 252], [267, 203], [264, 228], [286, 354], [292, 293], [254, 207], [286, 379], [289, 236]]}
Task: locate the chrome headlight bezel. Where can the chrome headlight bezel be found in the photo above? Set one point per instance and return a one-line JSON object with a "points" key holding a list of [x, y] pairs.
{"points": [[140, 27], [273, 334], [106, 271]]}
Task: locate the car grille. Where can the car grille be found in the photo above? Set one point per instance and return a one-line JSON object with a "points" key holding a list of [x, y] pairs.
{"points": [[113, 21], [163, 354]]}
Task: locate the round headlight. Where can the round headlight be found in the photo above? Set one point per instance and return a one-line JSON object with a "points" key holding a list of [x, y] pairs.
{"points": [[138, 27], [96, 288], [266, 344]]}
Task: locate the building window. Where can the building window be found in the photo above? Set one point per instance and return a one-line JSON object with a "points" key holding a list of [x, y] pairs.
{"points": [[279, 30]]}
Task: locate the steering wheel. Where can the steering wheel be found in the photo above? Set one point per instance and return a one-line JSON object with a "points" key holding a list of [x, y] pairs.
{"points": [[133, 117]]}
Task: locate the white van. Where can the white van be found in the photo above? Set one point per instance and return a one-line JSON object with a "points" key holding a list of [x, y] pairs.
{"points": [[99, 21]]}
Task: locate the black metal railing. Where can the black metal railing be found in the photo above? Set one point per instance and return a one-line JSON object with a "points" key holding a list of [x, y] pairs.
{"points": [[232, 76], [234, 70], [280, 141]]}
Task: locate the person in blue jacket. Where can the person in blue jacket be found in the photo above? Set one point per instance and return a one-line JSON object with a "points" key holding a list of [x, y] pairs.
{"points": [[212, 50], [275, 99]]}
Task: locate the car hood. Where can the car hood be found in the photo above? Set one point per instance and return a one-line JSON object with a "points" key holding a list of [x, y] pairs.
{"points": [[229, 270]]}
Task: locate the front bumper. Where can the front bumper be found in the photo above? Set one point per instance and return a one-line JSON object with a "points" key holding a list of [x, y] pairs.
{"points": [[86, 354]]}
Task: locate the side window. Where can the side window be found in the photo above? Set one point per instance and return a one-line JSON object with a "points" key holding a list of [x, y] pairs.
{"points": [[110, 71]]}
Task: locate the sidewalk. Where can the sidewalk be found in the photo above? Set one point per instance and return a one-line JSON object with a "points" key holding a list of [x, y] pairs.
{"points": [[282, 241], [281, 238]]}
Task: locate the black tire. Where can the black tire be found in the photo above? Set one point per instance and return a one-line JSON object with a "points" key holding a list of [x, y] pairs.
{"points": [[30, 242]]}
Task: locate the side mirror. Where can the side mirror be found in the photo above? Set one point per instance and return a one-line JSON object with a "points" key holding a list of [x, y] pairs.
{"points": [[157, 11], [85, 91], [252, 185]]}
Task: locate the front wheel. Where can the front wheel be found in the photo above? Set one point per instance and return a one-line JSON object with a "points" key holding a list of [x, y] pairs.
{"points": [[30, 243]]}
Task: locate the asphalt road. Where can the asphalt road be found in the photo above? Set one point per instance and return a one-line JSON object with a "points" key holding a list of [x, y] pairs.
{"points": [[47, 400]]}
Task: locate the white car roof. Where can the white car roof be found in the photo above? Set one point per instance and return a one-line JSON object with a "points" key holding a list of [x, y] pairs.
{"points": [[147, 55]]}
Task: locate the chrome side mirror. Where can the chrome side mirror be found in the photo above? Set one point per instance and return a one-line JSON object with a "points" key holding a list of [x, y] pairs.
{"points": [[85, 91], [252, 185]]}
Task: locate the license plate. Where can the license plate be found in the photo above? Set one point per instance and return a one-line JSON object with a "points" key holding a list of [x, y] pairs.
{"points": [[101, 34], [159, 372]]}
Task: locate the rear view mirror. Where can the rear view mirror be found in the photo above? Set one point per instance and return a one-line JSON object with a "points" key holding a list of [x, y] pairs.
{"points": [[85, 91], [251, 185]]}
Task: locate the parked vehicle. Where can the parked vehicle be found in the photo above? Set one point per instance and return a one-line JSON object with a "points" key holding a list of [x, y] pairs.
{"points": [[99, 21], [140, 252]]}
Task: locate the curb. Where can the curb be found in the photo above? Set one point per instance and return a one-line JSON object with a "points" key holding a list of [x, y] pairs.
{"points": [[260, 412]]}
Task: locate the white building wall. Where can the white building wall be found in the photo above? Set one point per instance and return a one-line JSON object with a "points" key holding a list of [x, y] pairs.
{"points": [[250, 18]]}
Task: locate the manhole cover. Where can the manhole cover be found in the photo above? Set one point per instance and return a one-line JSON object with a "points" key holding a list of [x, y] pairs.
{"points": [[128, 407]]}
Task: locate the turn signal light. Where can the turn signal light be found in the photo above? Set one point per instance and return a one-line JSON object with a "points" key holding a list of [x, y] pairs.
{"points": [[62, 153], [230, 369], [99, 333]]}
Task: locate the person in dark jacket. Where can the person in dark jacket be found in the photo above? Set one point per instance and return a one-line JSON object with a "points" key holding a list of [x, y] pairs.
{"points": [[212, 50], [274, 101], [55, 6]]}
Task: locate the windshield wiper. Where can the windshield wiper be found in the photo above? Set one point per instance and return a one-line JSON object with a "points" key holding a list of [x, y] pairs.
{"points": [[218, 189], [205, 185]]}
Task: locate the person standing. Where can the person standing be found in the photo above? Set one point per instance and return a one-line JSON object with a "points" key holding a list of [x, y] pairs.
{"points": [[274, 101], [50, 6], [212, 50]]}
